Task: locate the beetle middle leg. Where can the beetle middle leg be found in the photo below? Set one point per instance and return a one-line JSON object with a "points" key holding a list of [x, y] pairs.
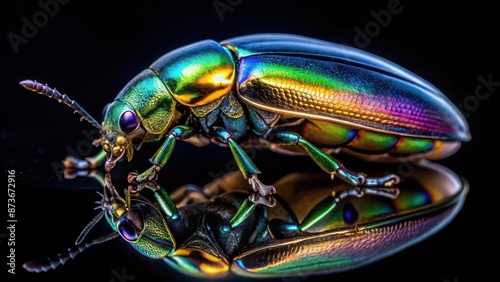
{"points": [[245, 164], [330, 165]]}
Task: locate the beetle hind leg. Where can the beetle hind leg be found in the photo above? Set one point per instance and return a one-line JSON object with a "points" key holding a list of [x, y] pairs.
{"points": [[332, 166], [327, 205]]}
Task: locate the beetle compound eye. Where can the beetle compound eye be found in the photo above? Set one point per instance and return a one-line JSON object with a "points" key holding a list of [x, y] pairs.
{"points": [[128, 231], [349, 213], [131, 225], [128, 122]]}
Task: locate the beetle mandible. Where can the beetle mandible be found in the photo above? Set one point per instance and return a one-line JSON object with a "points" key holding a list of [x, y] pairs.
{"points": [[289, 93]]}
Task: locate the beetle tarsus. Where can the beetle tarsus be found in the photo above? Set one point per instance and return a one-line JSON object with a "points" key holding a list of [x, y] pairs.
{"points": [[257, 186], [136, 186], [151, 174], [385, 181], [361, 179], [257, 198]]}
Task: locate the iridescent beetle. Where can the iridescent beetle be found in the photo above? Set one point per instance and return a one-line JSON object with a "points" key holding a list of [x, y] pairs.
{"points": [[186, 228], [276, 91]]}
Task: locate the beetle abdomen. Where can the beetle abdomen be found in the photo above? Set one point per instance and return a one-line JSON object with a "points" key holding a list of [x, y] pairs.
{"points": [[377, 144]]}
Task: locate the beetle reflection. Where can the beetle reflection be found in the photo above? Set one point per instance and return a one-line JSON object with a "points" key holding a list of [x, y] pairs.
{"points": [[186, 229]]}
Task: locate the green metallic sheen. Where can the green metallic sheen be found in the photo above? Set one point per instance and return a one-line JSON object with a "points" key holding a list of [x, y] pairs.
{"points": [[281, 90], [387, 97], [163, 154], [319, 212], [324, 161], [412, 198], [411, 145], [245, 164], [167, 207], [156, 236], [368, 208], [369, 141], [148, 96], [245, 210], [197, 74], [327, 133], [112, 117]]}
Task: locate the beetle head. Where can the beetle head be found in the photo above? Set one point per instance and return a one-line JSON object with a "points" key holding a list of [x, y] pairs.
{"points": [[138, 222], [122, 132], [143, 111]]}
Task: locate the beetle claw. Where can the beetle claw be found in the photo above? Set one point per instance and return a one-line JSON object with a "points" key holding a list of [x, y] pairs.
{"points": [[257, 198], [136, 185], [361, 179], [383, 181], [257, 186]]}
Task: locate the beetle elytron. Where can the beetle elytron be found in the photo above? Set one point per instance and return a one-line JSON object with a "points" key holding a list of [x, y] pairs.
{"points": [[276, 91], [186, 228]]}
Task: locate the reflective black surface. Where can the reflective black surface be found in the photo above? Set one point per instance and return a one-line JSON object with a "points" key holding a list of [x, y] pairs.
{"points": [[90, 51]]}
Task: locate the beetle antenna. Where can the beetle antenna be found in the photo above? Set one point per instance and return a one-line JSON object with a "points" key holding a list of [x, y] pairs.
{"points": [[39, 88], [89, 227], [53, 263]]}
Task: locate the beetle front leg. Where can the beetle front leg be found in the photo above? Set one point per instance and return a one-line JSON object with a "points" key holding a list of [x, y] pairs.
{"points": [[332, 166], [93, 162], [161, 157]]}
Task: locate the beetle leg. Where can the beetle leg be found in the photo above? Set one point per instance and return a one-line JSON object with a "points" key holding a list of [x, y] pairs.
{"points": [[329, 203], [247, 207], [250, 171], [330, 165], [245, 164], [161, 157], [71, 162], [167, 206]]}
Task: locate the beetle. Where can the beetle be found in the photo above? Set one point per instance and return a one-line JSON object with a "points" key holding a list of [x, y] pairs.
{"points": [[291, 94], [186, 229]]}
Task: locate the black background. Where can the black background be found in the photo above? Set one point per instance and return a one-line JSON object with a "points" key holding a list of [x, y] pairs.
{"points": [[91, 50]]}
